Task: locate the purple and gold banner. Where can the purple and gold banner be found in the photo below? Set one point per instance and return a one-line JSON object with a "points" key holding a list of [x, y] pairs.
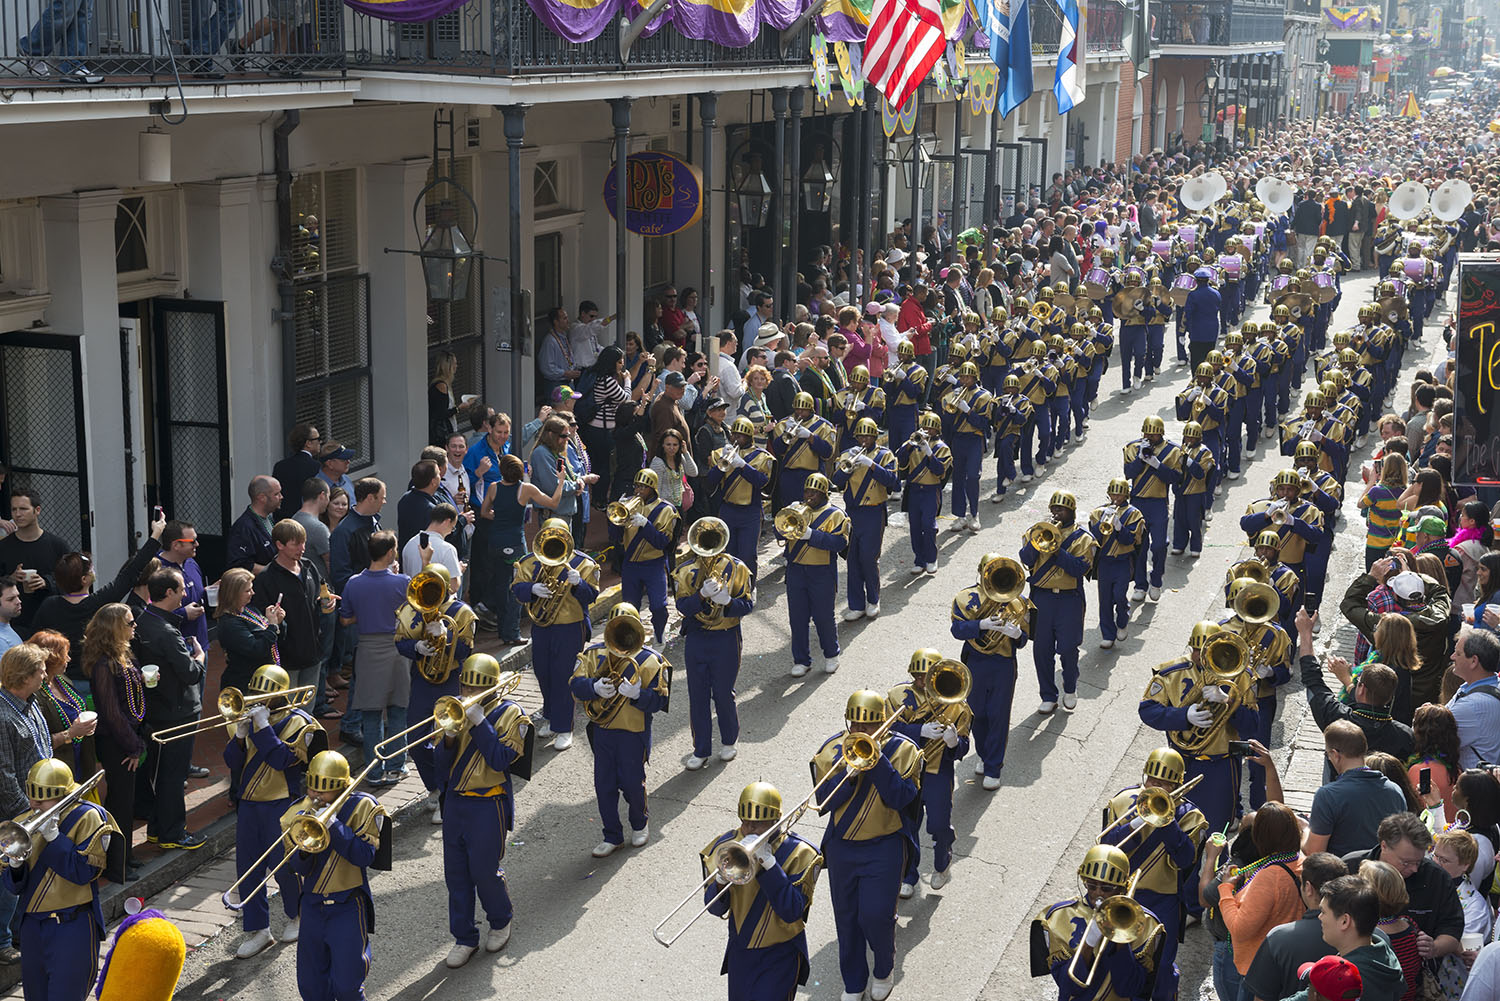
{"points": [[1353, 18], [575, 20], [731, 23], [405, 10], [848, 21]]}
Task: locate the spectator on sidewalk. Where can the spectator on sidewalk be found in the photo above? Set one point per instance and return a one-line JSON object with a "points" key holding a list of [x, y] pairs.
{"points": [[1433, 902], [306, 445], [10, 610], [179, 544], [349, 544], [248, 635], [334, 471], [29, 555], [413, 507], [23, 742], [294, 585], [1370, 697], [382, 681], [120, 699], [1476, 706], [315, 494], [1273, 973], [1347, 811], [249, 543], [1271, 896], [1423, 600], [1350, 913], [174, 700]]}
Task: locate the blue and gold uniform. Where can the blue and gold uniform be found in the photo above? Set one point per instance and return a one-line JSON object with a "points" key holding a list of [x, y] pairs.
{"points": [[713, 593], [558, 598], [1295, 521], [1206, 404], [1235, 382], [812, 574], [925, 464], [859, 401], [1120, 530], [866, 841], [1132, 305], [941, 731], [1194, 491], [800, 444], [868, 480], [1038, 380], [970, 409], [1057, 592], [1270, 662], [644, 538], [1328, 433], [766, 956], [737, 476], [480, 811], [435, 648], [906, 388], [620, 689], [992, 631], [1154, 466], [1010, 416], [57, 883]]}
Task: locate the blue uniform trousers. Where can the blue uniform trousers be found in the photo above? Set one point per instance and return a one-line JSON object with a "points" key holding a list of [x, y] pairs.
{"points": [[1005, 461], [992, 689], [937, 805], [1233, 429], [1255, 403], [1057, 412], [424, 696], [789, 485], [1059, 632], [1096, 374], [1182, 352], [333, 949], [61, 958], [1266, 706], [968, 461], [1167, 911], [1115, 573], [921, 517], [257, 826], [865, 535], [1215, 797], [1314, 575], [743, 521], [554, 652], [864, 880], [809, 595], [1187, 521], [1284, 388], [901, 423], [619, 769], [1155, 511], [1132, 353], [1038, 429], [1156, 343], [1078, 403], [712, 659], [768, 974], [649, 578], [1271, 399], [473, 844]]}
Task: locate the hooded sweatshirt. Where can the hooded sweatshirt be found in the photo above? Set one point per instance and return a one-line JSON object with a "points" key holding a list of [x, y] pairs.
{"points": [[1379, 973]]}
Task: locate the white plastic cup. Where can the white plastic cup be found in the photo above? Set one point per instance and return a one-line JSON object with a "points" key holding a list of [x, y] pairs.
{"points": [[211, 595], [1471, 941], [88, 716], [1468, 611], [152, 674]]}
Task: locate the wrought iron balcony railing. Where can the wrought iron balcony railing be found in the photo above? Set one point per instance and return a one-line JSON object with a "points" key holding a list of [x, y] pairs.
{"points": [[1219, 23]]}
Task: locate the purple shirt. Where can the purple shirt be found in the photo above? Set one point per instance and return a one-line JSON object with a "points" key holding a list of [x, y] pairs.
{"points": [[372, 597], [192, 579]]}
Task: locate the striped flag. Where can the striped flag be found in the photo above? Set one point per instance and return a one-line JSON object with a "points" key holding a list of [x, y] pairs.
{"points": [[1068, 85], [905, 40], [1017, 85], [994, 16]]}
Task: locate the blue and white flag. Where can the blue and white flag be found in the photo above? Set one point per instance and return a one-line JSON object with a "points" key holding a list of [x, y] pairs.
{"points": [[1018, 85], [995, 20], [1068, 85]]}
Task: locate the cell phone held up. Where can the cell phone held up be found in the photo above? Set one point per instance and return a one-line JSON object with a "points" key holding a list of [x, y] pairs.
{"points": [[1241, 749], [1424, 781], [424, 543]]}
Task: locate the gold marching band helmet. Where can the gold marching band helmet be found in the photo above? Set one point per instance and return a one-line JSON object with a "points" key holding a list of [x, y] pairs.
{"points": [[270, 684], [1119, 916], [48, 779]]}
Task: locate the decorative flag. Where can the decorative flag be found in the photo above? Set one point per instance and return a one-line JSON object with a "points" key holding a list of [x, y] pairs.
{"points": [[1410, 109], [905, 40], [908, 114], [1018, 84], [409, 11], [1068, 84], [940, 78], [994, 19], [822, 77]]}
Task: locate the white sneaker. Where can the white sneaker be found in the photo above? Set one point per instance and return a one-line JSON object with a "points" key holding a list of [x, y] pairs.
{"points": [[1138, 595], [1208, 516], [1268, 433], [973, 524], [830, 665], [1125, 391], [255, 944], [846, 996], [956, 525], [1122, 633], [872, 611], [979, 767], [931, 568], [459, 955], [292, 930], [604, 849], [1070, 701], [562, 742], [996, 497], [1175, 552], [1154, 594], [496, 938], [1150, 376], [916, 571], [853, 614], [728, 752], [1106, 644], [1025, 477], [1195, 553], [1081, 437], [798, 670], [694, 762], [1047, 708], [991, 783], [941, 879], [908, 891], [434, 802], [1233, 475], [639, 838], [544, 732], [435, 818]]}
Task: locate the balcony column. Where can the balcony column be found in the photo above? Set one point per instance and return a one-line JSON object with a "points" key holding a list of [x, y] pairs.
{"points": [[794, 242], [866, 200], [708, 109], [620, 119], [959, 207], [778, 201], [850, 230], [991, 166], [515, 132], [914, 235]]}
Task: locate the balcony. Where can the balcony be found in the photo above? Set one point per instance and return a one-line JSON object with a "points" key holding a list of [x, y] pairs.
{"points": [[504, 38], [122, 42], [1106, 28], [1217, 24]]}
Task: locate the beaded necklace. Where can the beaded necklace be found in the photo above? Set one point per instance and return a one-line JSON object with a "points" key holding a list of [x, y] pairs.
{"points": [[1378, 715], [69, 699], [1249, 871], [260, 622], [135, 692]]}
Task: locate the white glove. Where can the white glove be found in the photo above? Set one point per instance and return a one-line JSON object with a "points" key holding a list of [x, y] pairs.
{"points": [[1012, 630], [806, 533], [991, 625], [932, 731], [803, 431], [1093, 934], [604, 689], [1199, 717], [630, 689], [710, 587], [722, 596], [242, 729], [1137, 823], [260, 717], [639, 521], [15, 863], [1263, 671], [737, 461], [963, 406], [50, 830], [1118, 521], [426, 649], [436, 628], [951, 379], [540, 590], [1214, 693], [859, 405], [1153, 462], [927, 449], [864, 460], [575, 578], [765, 855], [950, 736], [1317, 435], [474, 714]]}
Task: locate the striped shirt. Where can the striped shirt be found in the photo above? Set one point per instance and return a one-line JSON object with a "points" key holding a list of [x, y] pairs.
{"points": [[1382, 511]]}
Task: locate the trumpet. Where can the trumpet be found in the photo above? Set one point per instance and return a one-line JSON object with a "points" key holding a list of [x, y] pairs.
{"points": [[724, 458], [1107, 519], [1122, 920], [847, 461], [619, 512], [18, 836], [447, 720], [1045, 537], [1157, 807], [1278, 513], [232, 706], [791, 521], [787, 430], [851, 399], [919, 437]]}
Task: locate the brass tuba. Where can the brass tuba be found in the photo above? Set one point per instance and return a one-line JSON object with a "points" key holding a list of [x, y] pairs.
{"points": [[554, 550], [1045, 537], [707, 538], [624, 638], [1252, 568], [1257, 603], [428, 594], [1225, 657], [1000, 585]]}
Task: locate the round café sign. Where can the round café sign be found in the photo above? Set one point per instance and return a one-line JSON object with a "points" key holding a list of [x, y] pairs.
{"points": [[665, 194]]}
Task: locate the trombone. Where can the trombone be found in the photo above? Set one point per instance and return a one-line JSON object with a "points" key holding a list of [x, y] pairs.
{"points": [[447, 719], [307, 832], [18, 836], [619, 512], [1157, 807], [233, 705], [1122, 920], [735, 860], [791, 521]]}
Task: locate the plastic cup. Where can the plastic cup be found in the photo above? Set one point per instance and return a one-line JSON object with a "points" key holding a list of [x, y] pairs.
{"points": [[88, 716], [211, 594], [152, 674], [468, 398], [1471, 941]]}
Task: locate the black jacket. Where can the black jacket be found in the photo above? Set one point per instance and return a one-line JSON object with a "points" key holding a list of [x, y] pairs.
{"points": [[1433, 902], [781, 393], [300, 645], [1382, 734], [1307, 217], [1339, 218], [291, 473], [158, 641], [249, 543]]}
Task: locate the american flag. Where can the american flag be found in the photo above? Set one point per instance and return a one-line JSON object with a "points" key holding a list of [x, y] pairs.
{"points": [[904, 41]]}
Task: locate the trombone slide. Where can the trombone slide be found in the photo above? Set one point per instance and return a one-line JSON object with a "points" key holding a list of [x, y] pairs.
{"points": [[1175, 795], [233, 707]]}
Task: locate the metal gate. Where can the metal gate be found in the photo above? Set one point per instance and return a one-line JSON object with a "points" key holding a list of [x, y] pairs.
{"points": [[191, 417], [42, 437]]}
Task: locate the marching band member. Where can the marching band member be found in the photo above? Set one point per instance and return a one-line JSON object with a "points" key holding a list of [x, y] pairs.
{"points": [[1295, 352], [1160, 854], [812, 574], [620, 692], [269, 756], [1177, 701], [801, 444], [1153, 465], [1277, 393], [1251, 364], [945, 380], [1160, 305], [1066, 937], [1059, 404], [766, 956], [1296, 522], [1056, 578], [859, 401], [1206, 404], [1328, 433], [867, 482], [558, 601], [1101, 339], [435, 650], [971, 413], [1267, 547], [713, 593], [644, 538], [1080, 357], [1231, 381], [1119, 528], [338, 911], [476, 765], [997, 351], [925, 463], [1194, 492], [58, 886], [992, 632], [865, 845], [737, 475], [941, 731], [908, 388], [1270, 661], [1038, 380], [1011, 415]]}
